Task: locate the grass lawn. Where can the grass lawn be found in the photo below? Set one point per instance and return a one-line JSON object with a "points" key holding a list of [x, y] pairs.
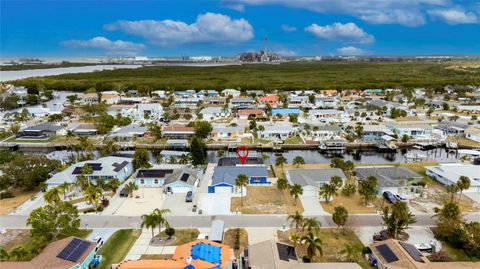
{"points": [[236, 239], [20, 140], [462, 141], [15, 237], [266, 200], [353, 203], [246, 141], [117, 247], [334, 242], [183, 236], [456, 254], [9, 204], [293, 140]]}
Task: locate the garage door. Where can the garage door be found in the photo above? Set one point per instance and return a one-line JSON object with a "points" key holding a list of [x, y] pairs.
{"points": [[221, 189], [180, 189], [310, 192]]}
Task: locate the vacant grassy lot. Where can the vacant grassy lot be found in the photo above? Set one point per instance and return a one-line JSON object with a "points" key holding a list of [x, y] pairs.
{"points": [[183, 236], [266, 200], [236, 239], [15, 237], [9, 204], [287, 76], [353, 203], [333, 244], [117, 247]]}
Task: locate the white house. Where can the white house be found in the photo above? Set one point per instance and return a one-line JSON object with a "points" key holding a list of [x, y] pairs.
{"points": [[241, 102], [414, 130], [277, 131], [473, 133], [325, 132], [397, 180], [211, 113], [173, 178], [449, 174], [298, 101], [326, 102], [144, 112], [327, 116], [312, 179], [231, 92]]}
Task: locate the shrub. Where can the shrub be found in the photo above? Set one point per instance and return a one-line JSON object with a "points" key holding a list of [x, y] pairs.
{"points": [[170, 232], [6, 194], [441, 256]]}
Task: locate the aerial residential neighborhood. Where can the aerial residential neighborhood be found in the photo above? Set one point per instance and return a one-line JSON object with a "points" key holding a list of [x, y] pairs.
{"points": [[240, 134]]}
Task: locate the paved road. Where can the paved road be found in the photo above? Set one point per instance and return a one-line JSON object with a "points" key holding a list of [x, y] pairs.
{"points": [[98, 221]]}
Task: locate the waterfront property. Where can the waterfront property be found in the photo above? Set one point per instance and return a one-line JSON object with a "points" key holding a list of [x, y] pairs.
{"points": [[449, 174], [312, 179], [224, 133], [104, 168], [224, 177], [177, 131], [42, 131], [67, 253], [199, 254], [277, 131], [325, 132], [395, 179], [128, 133]]}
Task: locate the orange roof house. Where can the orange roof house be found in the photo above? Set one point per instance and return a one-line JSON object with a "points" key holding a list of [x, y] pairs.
{"points": [[271, 99], [200, 254], [329, 92], [246, 113]]}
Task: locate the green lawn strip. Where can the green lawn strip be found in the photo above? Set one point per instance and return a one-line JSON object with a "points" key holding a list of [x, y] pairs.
{"points": [[117, 247], [183, 236]]}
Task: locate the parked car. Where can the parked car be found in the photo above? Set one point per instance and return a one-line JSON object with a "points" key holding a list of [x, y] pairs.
{"points": [[389, 197], [123, 193], [378, 237], [189, 197], [400, 198]]}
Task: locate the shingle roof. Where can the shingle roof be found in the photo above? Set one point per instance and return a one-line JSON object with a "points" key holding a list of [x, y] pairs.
{"points": [[229, 174], [313, 177], [387, 176]]}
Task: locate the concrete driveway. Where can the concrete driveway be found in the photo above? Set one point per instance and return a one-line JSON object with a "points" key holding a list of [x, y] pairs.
{"points": [[311, 206], [177, 205], [418, 234]]}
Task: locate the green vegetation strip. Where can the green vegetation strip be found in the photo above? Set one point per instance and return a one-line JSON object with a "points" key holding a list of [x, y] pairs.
{"points": [[287, 76], [117, 247]]}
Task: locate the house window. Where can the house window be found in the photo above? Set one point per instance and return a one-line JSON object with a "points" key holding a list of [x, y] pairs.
{"points": [[142, 181], [155, 181]]}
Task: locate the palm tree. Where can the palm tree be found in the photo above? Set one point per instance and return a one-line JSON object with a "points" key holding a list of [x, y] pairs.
{"points": [[463, 184], [340, 216], [295, 191], [327, 191], [101, 183], [64, 187], [336, 181], [93, 195], [160, 218], [184, 159], [296, 219], [349, 252], [313, 245], [398, 219], [282, 184], [69, 134], [86, 170], [149, 221], [452, 189], [52, 196], [130, 187], [311, 224], [109, 147], [113, 184], [84, 144], [241, 182], [81, 182], [280, 161], [295, 238]]}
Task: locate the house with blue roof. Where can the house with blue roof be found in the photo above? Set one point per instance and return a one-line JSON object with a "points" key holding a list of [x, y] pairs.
{"points": [[224, 177], [286, 111]]}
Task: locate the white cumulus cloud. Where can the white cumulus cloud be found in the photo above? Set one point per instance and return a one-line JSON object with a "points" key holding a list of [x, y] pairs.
{"points": [[348, 32], [100, 42], [208, 28], [454, 16], [286, 52], [350, 51], [405, 12], [288, 28]]}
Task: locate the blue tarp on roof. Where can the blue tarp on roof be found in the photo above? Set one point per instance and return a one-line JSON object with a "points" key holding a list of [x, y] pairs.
{"points": [[206, 252], [285, 111]]}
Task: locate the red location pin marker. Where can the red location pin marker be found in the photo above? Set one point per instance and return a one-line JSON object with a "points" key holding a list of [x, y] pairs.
{"points": [[242, 152]]}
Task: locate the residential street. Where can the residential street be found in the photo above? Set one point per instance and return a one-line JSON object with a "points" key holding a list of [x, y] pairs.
{"points": [[98, 221]]}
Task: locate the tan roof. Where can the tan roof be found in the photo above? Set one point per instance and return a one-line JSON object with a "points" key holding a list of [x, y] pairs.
{"points": [[178, 128], [405, 261], [264, 255], [48, 259], [250, 112]]}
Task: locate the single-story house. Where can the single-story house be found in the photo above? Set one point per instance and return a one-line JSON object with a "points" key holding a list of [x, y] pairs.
{"points": [[227, 133], [326, 102], [104, 168], [271, 100], [173, 178], [129, 133], [298, 101], [168, 154], [215, 101], [277, 131], [145, 112], [39, 112], [91, 98], [109, 97], [389, 178], [67, 253], [324, 115], [184, 102], [272, 254], [325, 132], [235, 161], [250, 113], [211, 113], [375, 132], [177, 131], [312, 179], [414, 130], [473, 133], [451, 128], [449, 174], [241, 102], [199, 254], [85, 129], [224, 177], [395, 254], [42, 131], [231, 92]]}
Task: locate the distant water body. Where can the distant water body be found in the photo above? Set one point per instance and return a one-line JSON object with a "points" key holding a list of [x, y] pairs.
{"points": [[20, 74]]}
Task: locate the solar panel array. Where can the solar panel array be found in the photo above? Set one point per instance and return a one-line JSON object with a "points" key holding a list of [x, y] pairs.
{"points": [[387, 253], [184, 177], [94, 166], [148, 173], [286, 252], [74, 250], [412, 251], [120, 166]]}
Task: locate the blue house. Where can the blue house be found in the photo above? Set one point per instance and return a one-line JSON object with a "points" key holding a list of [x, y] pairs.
{"points": [[286, 111], [224, 177], [173, 178]]}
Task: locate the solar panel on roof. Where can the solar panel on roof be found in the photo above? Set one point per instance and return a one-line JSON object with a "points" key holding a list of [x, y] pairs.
{"points": [[94, 166], [120, 166], [184, 177], [154, 172], [412, 251], [387, 253], [74, 250], [286, 252]]}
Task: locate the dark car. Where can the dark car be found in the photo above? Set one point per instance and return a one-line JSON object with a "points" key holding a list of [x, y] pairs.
{"points": [[189, 197], [389, 197], [378, 237], [123, 193]]}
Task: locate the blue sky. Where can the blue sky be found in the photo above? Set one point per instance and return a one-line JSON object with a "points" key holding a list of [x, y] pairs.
{"points": [[227, 27]]}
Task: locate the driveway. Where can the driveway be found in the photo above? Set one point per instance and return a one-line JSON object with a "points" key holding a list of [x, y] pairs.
{"points": [[142, 246], [418, 234], [177, 205], [257, 235], [311, 206], [214, 203]]}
